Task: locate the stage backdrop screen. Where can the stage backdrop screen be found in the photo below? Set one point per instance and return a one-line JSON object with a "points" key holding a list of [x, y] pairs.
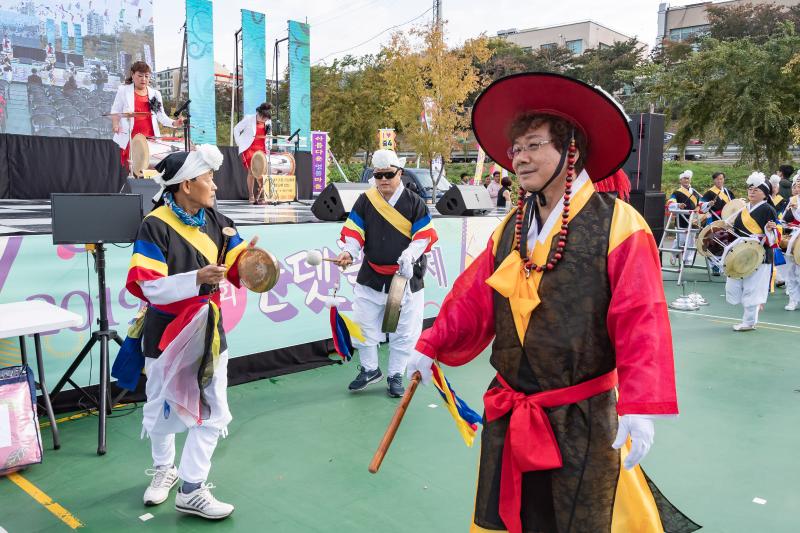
{"points": [[62, 62]]}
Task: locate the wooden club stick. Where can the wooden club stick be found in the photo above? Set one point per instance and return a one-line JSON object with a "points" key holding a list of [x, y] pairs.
{"points": [[386, 441]]}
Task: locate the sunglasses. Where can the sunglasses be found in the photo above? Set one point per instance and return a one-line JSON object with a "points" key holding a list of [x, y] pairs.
{"points": [[384, 175]]}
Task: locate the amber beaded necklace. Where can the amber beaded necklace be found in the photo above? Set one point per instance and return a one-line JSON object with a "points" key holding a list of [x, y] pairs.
{"points": [[527, 262]]}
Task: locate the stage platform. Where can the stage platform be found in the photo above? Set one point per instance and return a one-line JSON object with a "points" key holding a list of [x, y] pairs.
{"points": [[296, 457], [32, 217]]}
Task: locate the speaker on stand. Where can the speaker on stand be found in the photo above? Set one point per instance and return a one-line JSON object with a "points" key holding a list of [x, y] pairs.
{"points": [[336, 200], [465, 200]]}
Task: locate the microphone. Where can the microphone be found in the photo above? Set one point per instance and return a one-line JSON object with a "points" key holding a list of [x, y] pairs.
{"points": [[294, 135], [181, 109]]}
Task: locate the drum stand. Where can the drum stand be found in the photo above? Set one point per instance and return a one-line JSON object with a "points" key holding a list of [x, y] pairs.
{"points": [[689, 234], [271, 197]]}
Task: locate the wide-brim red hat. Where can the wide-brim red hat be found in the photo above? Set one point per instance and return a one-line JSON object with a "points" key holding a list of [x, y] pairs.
{"points": [[609, 140]]}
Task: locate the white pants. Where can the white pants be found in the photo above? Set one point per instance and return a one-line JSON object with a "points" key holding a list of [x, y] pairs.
{"points": [[678, 245], [368, 308], [792, 280], [751, 292], [201, 440]]}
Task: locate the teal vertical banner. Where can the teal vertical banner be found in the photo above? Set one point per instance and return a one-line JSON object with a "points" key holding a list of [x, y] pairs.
{"points": [[78, 39], [64, 36], [254, 59], [50, 31], [200, 48], [300, 81]]}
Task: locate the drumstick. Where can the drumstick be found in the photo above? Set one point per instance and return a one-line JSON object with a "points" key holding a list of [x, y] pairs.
{"points": [[227, 233], [386, 441]]}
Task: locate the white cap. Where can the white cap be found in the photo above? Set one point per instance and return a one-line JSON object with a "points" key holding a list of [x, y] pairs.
{"points": [[775, 179], [755, 179], [686, 174], [386, 159]]}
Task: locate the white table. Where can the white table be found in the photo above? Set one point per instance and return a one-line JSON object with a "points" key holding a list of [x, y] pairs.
{"points": [[34, 317]]}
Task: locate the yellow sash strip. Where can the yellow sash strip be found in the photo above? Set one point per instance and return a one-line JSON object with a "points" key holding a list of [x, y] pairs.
{"points": [[190, 234], [510, 278], [721, 194], [392, 215], [750, 223]]}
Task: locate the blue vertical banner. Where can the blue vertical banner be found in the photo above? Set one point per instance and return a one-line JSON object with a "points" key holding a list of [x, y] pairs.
{"points": [[50, 31], [76, 28], [200, 49], [300, 81], [254, 59], [64, 36]]}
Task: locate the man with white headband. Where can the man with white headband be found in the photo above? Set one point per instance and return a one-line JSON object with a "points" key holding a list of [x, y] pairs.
{"points": [[393, 228], [684, 198], [177, 265]]}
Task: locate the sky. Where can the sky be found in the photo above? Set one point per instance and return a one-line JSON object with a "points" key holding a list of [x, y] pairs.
{"points": [[338, 26]]}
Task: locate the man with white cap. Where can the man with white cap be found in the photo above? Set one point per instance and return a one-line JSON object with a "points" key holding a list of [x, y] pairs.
{"points": [[391, 226], [179, 259], [757, 219], [778, 201], [684, 198]]}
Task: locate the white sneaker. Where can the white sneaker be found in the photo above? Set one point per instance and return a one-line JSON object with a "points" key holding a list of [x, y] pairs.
{"points": [[791, 306], [744, 327], [202, 503], [164, 478]]}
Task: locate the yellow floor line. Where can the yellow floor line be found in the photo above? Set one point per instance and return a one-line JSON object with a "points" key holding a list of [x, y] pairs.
{"points": [[77, 416], [45, 500]]}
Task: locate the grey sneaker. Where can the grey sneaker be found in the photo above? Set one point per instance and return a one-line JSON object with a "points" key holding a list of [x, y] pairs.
{"points": [[164, 478], [395, 382], [364, 378], [202, 503]]}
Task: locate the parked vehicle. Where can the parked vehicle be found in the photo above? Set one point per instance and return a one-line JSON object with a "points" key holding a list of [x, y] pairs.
{"points": [[417, 180]]}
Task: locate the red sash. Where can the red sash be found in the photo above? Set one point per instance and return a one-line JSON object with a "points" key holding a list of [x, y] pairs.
{"points": [[530, 443]]}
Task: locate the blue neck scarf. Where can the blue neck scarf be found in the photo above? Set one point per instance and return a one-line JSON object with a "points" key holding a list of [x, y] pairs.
{"points": [[197, 220]]}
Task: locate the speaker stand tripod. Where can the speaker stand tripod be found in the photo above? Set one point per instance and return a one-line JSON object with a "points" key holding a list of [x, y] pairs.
{"points": [[103, 402]]}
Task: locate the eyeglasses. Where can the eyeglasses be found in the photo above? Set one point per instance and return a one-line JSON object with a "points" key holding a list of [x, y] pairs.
{"points": [[384, 175], [515, 150]]}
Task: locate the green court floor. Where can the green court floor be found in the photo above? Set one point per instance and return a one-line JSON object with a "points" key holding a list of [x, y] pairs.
{"points": [[297, 455]]}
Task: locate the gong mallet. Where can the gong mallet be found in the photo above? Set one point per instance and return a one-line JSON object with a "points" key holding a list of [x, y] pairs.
{"points": [[227, 233], [388, 437], [314, 258]]}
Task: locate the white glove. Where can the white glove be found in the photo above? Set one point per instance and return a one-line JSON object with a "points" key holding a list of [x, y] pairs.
{"points": [[641, 430], [705, 207], [422, 363], [406, 265]]}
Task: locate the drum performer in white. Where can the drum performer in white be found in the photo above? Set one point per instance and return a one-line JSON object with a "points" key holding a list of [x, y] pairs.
{"points": [[757, 219]]}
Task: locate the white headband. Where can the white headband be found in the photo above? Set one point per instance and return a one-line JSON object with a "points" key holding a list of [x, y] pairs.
{"points": [[203, 158]]}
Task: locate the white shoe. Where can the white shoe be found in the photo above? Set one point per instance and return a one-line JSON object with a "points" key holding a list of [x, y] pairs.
{"points": [[791, 306], [202, 503], [744, 327], [164, 478]]}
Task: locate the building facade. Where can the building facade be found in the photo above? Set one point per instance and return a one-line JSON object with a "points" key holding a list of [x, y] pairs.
{"points": [[167, 81], [577, 36], [680, 23]]}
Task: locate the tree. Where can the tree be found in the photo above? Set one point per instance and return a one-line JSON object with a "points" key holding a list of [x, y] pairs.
{"points": [[349, 104], [601, 66], [424, 75], [758, 22], [737, 92]]}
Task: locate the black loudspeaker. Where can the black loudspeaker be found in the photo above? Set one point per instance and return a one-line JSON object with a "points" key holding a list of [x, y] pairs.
{"points": [[651, 206], [336, 200], [644, 165], [464, 200], [146, 187]]}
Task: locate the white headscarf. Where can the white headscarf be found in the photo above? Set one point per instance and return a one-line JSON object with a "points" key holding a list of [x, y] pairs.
{"points": [[203, 158]]}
